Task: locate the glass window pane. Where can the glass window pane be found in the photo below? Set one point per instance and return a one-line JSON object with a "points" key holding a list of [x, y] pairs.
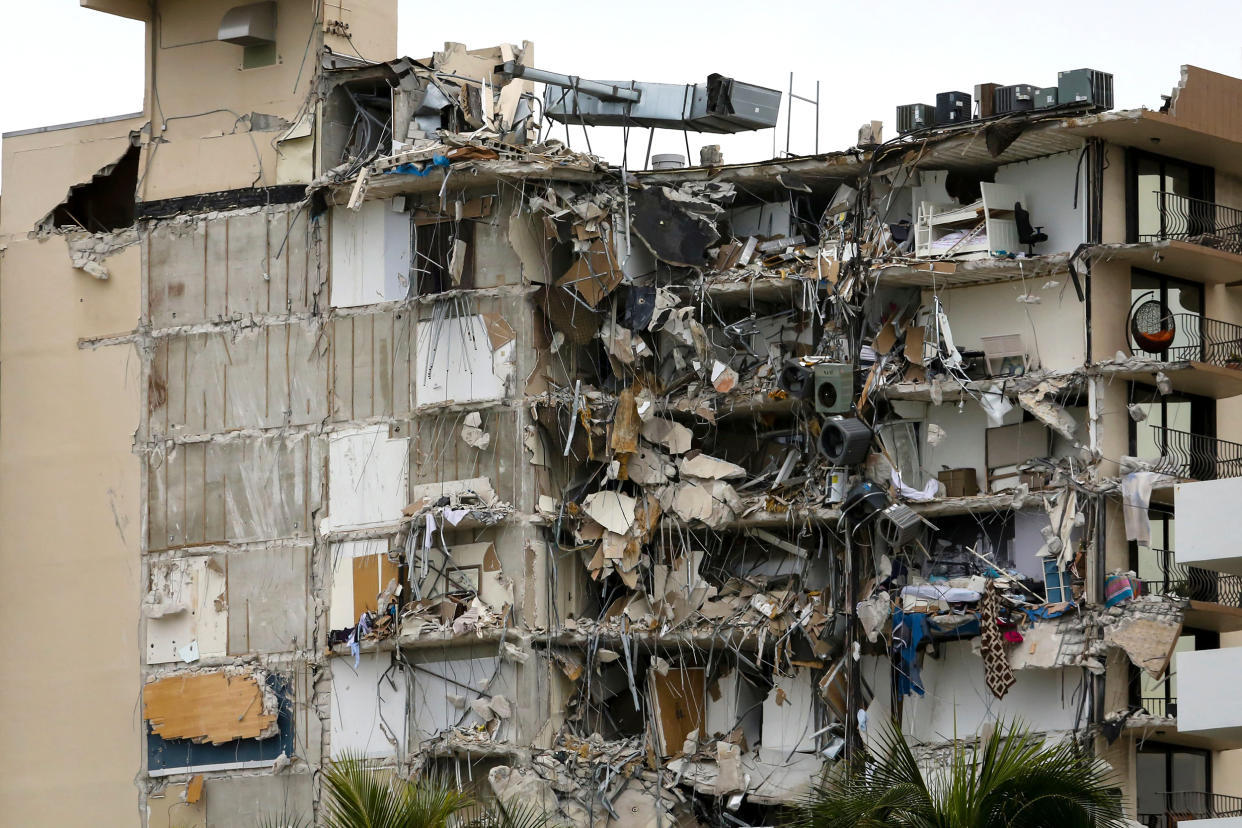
{"points": [[1150, 780], [1148, 184], [1189, 771]]}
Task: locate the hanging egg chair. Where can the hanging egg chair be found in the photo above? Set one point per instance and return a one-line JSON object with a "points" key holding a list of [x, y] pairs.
{"points": [[1152, 326]]}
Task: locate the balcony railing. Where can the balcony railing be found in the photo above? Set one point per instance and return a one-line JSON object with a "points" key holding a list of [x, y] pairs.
{"points": [[1189, 456], [1178, 806], [1200, 339], [1193, 583], [1197, 221], [1160, 706]]}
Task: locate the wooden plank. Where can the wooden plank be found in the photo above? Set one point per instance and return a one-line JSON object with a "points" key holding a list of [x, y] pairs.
{"points": [[371, 574], [206, 707], [679, 704]]}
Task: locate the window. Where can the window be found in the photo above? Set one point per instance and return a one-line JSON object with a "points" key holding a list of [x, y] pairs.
{"points": [[1166, 198], [1162, 769]]}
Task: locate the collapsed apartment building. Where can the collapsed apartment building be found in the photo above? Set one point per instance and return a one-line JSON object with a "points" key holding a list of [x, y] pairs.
{"points": [[646, 495]]}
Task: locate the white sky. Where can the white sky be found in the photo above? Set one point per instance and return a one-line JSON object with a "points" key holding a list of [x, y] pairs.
{"points": [[61, 63]]}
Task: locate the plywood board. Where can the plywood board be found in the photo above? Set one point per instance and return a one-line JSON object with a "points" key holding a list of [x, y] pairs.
{"points": [[678, 698], [207, 707], [371, 573]]}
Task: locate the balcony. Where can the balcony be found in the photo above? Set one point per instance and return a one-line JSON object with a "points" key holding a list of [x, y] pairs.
{"points": [[1207, 690], [1197, 221], [1205, 513], [1215, 602], [1181, 806], [1187, 456]]}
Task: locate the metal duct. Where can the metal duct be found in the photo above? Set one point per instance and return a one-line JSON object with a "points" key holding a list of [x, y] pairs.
{"points": [[250, 25], [720, 105]]}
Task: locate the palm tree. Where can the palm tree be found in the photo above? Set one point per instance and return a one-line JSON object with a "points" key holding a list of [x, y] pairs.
{"points": [[1013, 781], [360, 796]]}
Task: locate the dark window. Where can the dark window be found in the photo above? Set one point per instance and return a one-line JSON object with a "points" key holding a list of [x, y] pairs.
{"points": [[1162, 769], [434, 243], [1166, 198]]}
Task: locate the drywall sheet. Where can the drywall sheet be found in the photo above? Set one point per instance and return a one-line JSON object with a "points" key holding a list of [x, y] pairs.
{"points": [[236, 491], [243, 801], [186, 610], [368, 707], [264, 377], [789, 713], [463, 358], [370, 254], [247, 262], [367, 478], [443, 690], [165, 754], [732, 701], [372, 365], [267, 600], [343, 611]]}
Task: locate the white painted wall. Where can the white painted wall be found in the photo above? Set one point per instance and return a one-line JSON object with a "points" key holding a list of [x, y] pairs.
{"points": [[1047, 185], [370, 254], [958, 703], [365, 706], [192, 585], [456, 361], [1054, 332], [1223, 822], [434, 683], [789, 726], [1203, 513], [368, 478]]}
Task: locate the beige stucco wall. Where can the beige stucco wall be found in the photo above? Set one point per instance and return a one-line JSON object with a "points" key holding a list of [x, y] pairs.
{"points": [[200, 98], [69, 505]]}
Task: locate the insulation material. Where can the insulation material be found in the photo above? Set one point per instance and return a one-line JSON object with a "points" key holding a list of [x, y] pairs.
{"points": [[370, 254], [234, 491], [191, 260], [186, 603], [266, 605], [213, 707], [367, 478], [789, 713], [343, 610], [368, 707], [463, 359]]}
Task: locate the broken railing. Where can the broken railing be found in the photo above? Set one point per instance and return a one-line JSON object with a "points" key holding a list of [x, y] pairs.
{"points": [[1198, 221], [1178, 806], [1190, 456], [1162, 707], [1193, 583]]}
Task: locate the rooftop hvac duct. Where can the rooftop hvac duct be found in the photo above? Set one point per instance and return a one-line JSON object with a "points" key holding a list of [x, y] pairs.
{"points": [[720, 105], [250, 25]]}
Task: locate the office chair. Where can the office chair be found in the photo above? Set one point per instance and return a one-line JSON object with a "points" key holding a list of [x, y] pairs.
{"points": [[1028, 235]]}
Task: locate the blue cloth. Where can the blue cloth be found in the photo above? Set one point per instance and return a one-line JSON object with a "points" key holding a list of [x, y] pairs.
{"points": [[908, 632], [414, 169]]}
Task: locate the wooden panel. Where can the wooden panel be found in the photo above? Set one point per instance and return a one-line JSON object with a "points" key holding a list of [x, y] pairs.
{"points": [[206, 707], [678, 697], [371, 574]]}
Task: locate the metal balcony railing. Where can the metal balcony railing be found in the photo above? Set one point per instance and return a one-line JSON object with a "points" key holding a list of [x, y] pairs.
{"points": [[1193, 583], [1200, 339], [1189, 456], [1184, 805], [1161, 706], [1197, 221]]}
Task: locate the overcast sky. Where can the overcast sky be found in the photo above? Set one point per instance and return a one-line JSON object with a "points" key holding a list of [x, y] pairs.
{"points": [[61, 63]]}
